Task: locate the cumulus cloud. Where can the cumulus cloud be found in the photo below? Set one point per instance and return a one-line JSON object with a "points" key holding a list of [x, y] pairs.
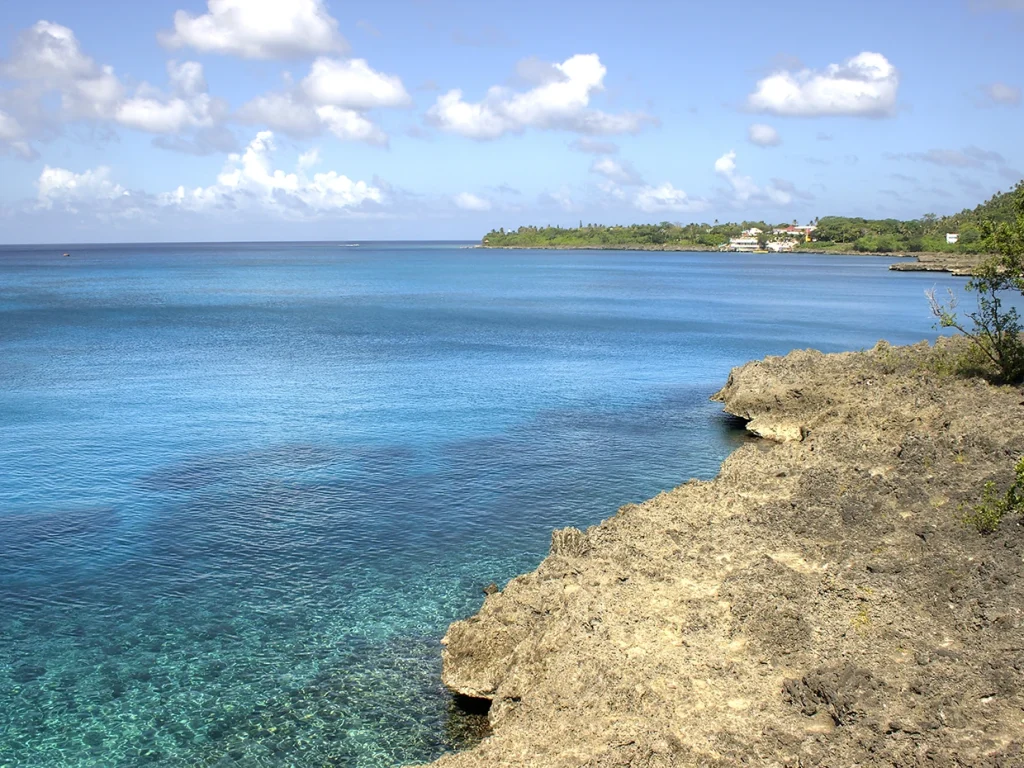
{"points": [[349, 125], [666, 197], [250, 180], [1001, 94], [351, 83], [12, 136], [10, 128], [865, 86], [49, 52], [745, 189], [619, 171], [63, 187], [467, 201], [286, 112], [333, 97], [763, 135], [188, 105], [47, 59], [258, 29], [561, 101]]}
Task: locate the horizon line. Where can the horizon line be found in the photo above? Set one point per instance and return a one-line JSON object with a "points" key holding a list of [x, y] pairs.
{"points": [[225, 242]]}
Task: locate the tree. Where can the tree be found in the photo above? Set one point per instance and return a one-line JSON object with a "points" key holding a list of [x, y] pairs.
{"points": [[994, 331]]}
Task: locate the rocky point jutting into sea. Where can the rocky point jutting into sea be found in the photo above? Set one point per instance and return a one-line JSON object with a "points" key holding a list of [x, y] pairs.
{"points": [[819, 603]]}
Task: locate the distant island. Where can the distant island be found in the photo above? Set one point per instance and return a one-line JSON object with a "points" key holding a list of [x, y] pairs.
{"points": [[968, 232]]}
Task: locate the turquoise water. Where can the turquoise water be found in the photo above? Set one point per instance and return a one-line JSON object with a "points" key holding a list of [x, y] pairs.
{"points": [[245, 488]]}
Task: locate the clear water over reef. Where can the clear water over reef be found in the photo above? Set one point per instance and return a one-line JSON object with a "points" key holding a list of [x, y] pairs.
{"points": [[245, 488]]}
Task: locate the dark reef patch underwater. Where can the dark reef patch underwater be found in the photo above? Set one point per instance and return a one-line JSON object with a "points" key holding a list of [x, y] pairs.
{"points": [[245, 489]]}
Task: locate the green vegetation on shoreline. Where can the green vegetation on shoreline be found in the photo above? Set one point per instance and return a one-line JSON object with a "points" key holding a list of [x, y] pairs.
{"points": [[833, 234]]}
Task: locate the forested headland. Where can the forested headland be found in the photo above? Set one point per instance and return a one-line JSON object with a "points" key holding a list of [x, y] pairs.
{"points": [[975, 228]]}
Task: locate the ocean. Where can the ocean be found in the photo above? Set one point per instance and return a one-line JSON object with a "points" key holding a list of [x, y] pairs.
{"points": [[244, 488]]}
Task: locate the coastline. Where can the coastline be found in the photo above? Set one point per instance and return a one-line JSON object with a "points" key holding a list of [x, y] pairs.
{"points": [[958, 264], [818, 602]]}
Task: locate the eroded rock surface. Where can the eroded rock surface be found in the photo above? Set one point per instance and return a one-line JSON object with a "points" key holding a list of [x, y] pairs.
{"points": [[962, 264], [819, 603]]}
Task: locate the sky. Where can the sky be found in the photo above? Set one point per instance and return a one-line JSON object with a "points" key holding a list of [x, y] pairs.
{"points": [[196, 120]]}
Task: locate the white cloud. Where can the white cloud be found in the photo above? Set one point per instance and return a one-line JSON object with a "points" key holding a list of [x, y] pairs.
{"points": [[334, 97], [666, 197], [286, 112], [467, 201], [745, 189], [1001, 93], [48, 57], [351, 83], [309, 159], [763, 135], [59, 185], [289, 113], [560, 102], [50, 52], [620, 172], [10, 128], [12, 136], [258, 29], [865, 85], [188, 106], [249, 180], [349, 125]]}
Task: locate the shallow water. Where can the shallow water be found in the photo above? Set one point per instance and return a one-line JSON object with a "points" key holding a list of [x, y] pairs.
{"points": [[245, 488]]}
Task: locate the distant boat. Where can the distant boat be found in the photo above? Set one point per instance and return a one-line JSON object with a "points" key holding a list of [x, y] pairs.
{"points": [[348, 245], [67, 254]]}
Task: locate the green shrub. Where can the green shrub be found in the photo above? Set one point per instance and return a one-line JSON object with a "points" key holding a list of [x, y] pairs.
{"points": [[986, 515]]}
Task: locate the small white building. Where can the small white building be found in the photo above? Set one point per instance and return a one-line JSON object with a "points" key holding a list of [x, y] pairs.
{"points": [[781, 246], [743, 244], [952, 238], [752, 232]]}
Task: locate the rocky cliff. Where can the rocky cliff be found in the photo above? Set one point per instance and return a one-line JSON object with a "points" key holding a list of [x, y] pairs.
{"points": [[819, 603]]}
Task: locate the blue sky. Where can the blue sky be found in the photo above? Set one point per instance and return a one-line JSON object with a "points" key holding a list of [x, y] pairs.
{"points": [[322, 119]]}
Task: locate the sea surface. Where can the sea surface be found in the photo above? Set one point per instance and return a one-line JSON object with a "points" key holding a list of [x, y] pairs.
{"points": [[245, 488]]}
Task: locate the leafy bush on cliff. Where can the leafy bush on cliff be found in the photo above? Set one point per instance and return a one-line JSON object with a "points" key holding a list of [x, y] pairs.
{"points": [[986, 516], [994, 330]]}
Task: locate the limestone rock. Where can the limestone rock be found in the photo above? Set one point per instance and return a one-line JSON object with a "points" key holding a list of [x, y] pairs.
{"points": [[819, 603]]}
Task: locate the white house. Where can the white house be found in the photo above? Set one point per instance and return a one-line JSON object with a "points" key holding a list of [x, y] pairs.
{"points": [[952, 238], [752, 232], [742, 244], [781, 246]]}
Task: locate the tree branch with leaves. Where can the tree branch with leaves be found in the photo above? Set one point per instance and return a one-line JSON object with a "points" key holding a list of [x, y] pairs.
{"points": [[994, 329]]}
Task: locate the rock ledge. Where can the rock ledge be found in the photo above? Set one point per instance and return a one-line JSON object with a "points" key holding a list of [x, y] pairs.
{"points": [[819, 603]]}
